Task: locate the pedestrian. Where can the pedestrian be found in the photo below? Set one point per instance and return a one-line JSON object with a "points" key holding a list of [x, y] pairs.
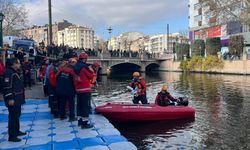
{"points": [[53, 100], [42, 77], [83, 90], [66, 91], [138, 84], [27, 72], [13, 93]]}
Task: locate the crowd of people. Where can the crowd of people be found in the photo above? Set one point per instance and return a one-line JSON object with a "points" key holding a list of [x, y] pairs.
{"points": [[63, 79]]}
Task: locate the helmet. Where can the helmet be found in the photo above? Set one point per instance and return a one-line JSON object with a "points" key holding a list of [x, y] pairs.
{"points": [[136, 74], [164, 87], [83, 55], [96, 65]]}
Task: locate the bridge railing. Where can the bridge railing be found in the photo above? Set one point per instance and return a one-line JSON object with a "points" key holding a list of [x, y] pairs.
{"points": [[132, 55]]}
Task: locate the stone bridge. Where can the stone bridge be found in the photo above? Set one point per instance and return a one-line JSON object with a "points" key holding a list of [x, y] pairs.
{"points": [[142, 62]]}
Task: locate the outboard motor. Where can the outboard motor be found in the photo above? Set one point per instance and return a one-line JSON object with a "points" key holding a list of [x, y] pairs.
{"points": [[182, 101]]}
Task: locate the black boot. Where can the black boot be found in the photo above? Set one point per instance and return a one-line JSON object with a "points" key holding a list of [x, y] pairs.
{"points": [[80, 122], [86, 125], [20, 133], [14, 139]]}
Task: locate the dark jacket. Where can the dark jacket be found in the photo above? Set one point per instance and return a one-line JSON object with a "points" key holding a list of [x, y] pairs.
{"points": [[164, 99], [26, 68], [13, 88], [65, 81]]}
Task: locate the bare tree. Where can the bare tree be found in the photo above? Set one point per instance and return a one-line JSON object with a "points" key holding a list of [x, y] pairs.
{"points": [[224, 10], [16, 16]]}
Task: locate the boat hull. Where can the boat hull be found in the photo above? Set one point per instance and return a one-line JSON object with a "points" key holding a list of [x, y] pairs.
{"points": [[138, 112]]}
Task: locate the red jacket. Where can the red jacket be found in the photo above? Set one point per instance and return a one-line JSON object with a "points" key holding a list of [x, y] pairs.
{"points": [[140, 84], [52, 76], [2, 68], [82, 78], [43, 71]]}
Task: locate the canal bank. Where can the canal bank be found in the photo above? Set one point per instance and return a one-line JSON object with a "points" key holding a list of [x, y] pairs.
{"points": [[240, 67]]}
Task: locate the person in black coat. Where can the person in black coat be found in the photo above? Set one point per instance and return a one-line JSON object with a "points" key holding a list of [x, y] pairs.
{"points": [[66, 91], [13, 93]]}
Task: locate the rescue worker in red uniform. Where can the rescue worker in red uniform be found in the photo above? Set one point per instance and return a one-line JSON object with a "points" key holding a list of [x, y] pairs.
{"points": [[164, 98], [2, 70], [65, 90], [139, 85], [52, 89], [42, 75], [83, 90]]}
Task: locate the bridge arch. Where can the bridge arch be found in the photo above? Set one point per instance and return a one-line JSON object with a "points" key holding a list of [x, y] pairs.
{"points": [[126, 67], [152, 67]]}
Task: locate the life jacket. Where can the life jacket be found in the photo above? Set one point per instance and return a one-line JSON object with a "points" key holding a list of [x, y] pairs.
{"points": [[52, 75], [93, 80]]}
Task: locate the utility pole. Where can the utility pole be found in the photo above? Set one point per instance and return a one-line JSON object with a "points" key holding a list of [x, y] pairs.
{"points": [[50, 24], [168, 37], [110, 32]]}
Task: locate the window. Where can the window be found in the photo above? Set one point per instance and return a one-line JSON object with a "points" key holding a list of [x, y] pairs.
{"points": [[200, 23]]}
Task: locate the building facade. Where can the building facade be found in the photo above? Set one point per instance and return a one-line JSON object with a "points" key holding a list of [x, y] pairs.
{"points": [[161, 44], [202, 26], [40, 33], [77, 36]]}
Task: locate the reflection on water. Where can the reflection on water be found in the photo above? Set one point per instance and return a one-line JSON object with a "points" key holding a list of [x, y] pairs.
{"points": [[222, 105]]}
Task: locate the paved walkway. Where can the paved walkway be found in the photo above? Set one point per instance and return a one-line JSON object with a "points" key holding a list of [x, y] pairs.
{"points": [[46, 133]]}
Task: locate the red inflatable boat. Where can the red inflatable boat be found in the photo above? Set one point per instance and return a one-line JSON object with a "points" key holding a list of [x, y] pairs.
{"points": [[150, 112]]}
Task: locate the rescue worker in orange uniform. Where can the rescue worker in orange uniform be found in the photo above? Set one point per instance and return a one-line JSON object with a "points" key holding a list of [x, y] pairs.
{"points": [[139, 85], [94, 69]]}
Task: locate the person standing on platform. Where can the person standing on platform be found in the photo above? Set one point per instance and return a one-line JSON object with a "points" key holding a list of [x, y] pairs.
{"points": [[83, 90], [53, 100], [2, 70], [65, 90], [13, 93], [42, 75]]}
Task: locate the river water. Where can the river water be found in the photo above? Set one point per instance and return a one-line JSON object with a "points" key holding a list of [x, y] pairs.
{"points": [[222, 104]]}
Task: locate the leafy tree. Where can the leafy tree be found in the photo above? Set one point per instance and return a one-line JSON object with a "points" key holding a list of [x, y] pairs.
{"points": [[227, 10], [236, 45], [16, 16], [181, 50], [198, 48], [213, 46]]}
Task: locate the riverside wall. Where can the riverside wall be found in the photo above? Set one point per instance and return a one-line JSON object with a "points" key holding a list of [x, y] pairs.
{"points": [[230, 67]]}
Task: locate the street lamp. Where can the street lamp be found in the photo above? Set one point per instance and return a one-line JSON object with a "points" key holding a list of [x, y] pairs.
{"points": [[1, 35], [63, 39], [82, 42]]}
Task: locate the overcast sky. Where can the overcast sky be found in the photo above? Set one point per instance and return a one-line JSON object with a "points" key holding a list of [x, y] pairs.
{"points": [[147, 16]]}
